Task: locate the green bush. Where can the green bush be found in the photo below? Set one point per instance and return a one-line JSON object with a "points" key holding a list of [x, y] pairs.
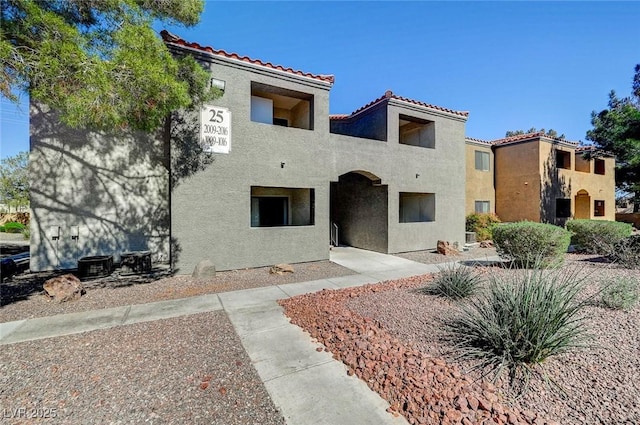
{"points": [[522, 319], [620, 294], [482, 225], [626, 252], [454, 282], [597, 236], [13, 227], [531, 244], [26, 232]]}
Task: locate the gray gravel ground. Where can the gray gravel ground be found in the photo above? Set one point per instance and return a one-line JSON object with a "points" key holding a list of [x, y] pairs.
{"points": [[186, 370], [21, 297], [432, 257], [595, 385]]}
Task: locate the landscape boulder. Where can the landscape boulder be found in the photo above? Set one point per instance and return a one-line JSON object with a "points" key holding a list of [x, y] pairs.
{"points": [[204, 269], [63, 288], [281, 269], [447, 248], [486, 244]]}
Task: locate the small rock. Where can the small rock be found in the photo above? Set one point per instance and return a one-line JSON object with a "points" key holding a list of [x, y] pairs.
{"points": [[446, 248], [64, 288], [204, 269], [281, 269]]}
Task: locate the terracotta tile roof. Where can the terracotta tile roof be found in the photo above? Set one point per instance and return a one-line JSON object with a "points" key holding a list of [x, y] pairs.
{"points": [[527, 136], [389, 95], [471, 139], [167, 37]]}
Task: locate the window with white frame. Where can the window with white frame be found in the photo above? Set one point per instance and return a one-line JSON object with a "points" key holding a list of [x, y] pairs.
{"points": [[482, 160], [483, 207]]}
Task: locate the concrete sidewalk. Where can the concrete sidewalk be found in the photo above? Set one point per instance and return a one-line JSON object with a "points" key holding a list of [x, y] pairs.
{"points": [[309, 387]]}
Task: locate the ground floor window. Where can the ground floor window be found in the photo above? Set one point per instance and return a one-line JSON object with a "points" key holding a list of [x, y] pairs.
{"points": [[282, 206], [483, 207], [598, 208], [417, 207], [563, 207]]}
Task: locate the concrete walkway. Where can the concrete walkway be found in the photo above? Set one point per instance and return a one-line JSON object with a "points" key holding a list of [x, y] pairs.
{"points": [[309, 387]]}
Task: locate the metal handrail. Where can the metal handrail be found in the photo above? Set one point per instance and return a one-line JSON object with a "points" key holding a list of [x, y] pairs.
{"points": [[334, 234]]}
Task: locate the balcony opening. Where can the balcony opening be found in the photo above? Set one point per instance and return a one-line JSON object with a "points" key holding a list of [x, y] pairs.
{"points": [[417, 132], [563, 208], [282, 107], [282, 206], [598, 166], [417, 207], [563, 159]]}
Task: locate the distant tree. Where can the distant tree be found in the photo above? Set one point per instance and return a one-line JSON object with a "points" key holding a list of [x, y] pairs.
{"points": [[616, 129], [551, 133], [14, 181], [99, 62]]}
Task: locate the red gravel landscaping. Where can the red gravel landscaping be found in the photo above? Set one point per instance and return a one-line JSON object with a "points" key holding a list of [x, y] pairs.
{"points": [[390, 335]]}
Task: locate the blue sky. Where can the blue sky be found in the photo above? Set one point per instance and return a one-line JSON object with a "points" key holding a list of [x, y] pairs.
{"points": [[512, 65]]}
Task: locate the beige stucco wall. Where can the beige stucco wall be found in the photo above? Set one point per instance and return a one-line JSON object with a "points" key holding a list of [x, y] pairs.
{"points": [[479, 184], [517, 182], [568, 182]]}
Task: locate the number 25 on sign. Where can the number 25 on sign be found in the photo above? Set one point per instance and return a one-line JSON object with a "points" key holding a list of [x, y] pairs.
{"points": [[215, 129]]}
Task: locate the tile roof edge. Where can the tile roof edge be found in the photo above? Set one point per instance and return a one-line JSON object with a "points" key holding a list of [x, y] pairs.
{"points": [[528, 136], [390, 95], [168, 37]]}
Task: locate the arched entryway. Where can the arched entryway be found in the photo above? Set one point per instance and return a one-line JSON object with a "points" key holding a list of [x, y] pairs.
{"points": [[359, 209], [583, 205]]}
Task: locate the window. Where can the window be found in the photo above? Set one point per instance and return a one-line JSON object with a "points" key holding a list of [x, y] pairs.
{"points": [[483, 207], [563, 208], [482, 161], [282, 206], [598, 208], [417, 132], [598, 167], [563, 159], [278, 106], [417, 207]]}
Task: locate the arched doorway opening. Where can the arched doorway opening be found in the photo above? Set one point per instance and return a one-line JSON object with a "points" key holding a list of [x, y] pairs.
{"points": [[583, 205], [359, 211]]}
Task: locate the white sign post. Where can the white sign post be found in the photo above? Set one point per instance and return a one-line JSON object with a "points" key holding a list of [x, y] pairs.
{"points": [[215, 129]]}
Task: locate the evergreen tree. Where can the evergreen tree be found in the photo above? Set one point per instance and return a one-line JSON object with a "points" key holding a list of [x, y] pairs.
{"points": [[99, 62]]}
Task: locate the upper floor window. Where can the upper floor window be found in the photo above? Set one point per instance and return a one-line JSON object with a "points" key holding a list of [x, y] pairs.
{"points": [[417, 132], [482, 160], [283, 107], [598, 166], [563, 159]]}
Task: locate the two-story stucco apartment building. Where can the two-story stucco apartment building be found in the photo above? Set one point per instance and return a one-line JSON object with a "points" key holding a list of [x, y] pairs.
{"points": [[275, 176], [538, 178]]}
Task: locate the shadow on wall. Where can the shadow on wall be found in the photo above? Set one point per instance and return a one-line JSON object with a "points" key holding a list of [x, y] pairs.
{"points": [[95, 193], [555, 205]]}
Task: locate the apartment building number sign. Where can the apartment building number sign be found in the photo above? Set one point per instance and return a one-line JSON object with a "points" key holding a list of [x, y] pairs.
{"points": [[215, 129]]}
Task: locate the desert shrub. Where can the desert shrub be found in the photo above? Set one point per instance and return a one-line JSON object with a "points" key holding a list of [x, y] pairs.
{"points": [[482, 225], [522, 319], [531, 244], [597, 236], [626, 252], [621, 294], [13, 227], [454, 282]]}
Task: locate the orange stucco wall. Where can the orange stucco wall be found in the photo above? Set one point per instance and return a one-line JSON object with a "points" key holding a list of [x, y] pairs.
{"points": [[517, 182]]}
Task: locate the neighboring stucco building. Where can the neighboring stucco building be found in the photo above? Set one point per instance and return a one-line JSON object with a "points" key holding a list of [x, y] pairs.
{"points": [[388, 176], [544, 179], [480, 186]]}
